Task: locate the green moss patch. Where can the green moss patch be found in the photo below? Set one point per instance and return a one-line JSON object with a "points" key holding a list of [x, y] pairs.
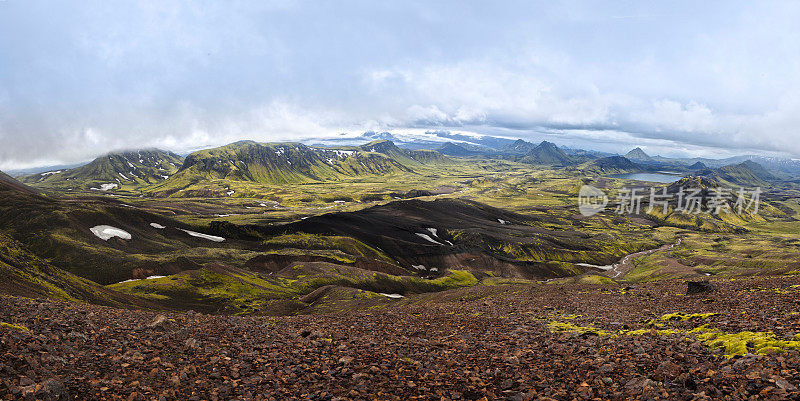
{"points": [[11, 326], [747, 342], [679, 316]]}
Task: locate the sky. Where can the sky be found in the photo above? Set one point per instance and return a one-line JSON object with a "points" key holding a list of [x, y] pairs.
{"points": [[82, 78]]}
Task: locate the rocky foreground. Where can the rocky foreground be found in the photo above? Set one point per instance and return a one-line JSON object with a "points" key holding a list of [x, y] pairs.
{"points": [[504, 342]]}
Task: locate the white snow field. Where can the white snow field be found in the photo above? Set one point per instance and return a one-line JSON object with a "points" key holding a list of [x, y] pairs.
{"points": [[105, 233]]}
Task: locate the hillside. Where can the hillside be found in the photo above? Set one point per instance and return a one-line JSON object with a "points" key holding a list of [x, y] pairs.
{"points": [[207, 172], [27, 275], [407, 157], [747, 173], [112, 172], [11, 182], [611, 165], [549, 154], [73, 236], [283, 163], [428, 237]]}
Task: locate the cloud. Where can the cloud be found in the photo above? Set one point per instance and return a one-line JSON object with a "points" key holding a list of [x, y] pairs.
{"points": [[80, 80]]}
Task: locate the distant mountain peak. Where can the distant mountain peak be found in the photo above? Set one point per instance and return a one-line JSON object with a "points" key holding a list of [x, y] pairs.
{"points": [[519, 146], [698, 166], [548, 153], [638, 154]]}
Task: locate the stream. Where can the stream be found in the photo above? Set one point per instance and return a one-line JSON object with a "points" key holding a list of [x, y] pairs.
{"points": [[625, 264]]}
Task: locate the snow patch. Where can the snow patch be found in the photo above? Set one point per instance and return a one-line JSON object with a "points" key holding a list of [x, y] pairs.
{"points": [[502, 221], [395, 296], [203, 236], [343, 153], [419, 267], [606, 267], [50, 172], [427, 237], [105, 187], [105, 233], [158, 226]]}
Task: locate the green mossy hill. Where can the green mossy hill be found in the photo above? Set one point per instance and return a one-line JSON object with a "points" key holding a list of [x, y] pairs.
{"points": [[10, 182], [27, 275], [222, 289], [610, 165], [747, 173], [407, 157], [280, 163], [346, 245], [60, 231], [112, 172]]}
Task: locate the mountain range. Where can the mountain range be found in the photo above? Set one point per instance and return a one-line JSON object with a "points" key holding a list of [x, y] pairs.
{"points": [[163, 173]]}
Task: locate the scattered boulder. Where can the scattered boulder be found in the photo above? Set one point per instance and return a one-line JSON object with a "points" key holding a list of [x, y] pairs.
{"points": [[49, 390], [699, 287], [783, 384], [160, 322], [667, 371]]}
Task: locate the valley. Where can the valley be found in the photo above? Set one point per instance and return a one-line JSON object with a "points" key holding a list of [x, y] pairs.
{"points": [[288, 231]]}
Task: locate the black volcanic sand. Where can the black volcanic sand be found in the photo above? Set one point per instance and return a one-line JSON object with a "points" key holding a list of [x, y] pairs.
{"points": [[477, 343]]}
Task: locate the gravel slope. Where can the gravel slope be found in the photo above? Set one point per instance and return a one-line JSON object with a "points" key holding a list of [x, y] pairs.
{"points": [[504, 342]]}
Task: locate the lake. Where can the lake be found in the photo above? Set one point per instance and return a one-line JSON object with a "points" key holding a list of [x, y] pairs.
{"points": [[650, 177]]}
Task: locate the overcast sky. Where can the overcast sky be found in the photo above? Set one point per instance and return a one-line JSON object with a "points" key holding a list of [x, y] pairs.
{"points": [[78, 79]]}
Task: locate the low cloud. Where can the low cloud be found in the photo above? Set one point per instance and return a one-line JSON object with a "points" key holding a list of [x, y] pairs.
{"points": [[81, 80]]}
